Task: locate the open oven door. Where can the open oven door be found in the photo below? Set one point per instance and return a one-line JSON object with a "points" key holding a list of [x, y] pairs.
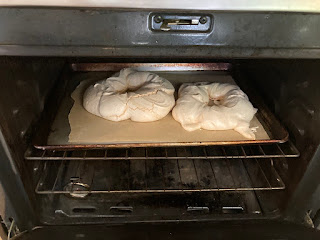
{"points": [[196, 230]]}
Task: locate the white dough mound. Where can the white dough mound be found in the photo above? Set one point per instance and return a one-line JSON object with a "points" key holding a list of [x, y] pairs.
{"points": [[139, 96], [215, 106]]}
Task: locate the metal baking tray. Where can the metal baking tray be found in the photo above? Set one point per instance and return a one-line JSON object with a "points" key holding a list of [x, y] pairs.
{"points": [[54, 123]]}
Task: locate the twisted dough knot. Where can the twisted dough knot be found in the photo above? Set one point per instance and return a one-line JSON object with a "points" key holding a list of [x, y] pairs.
{"points": [[215, 106], [139, 96]]}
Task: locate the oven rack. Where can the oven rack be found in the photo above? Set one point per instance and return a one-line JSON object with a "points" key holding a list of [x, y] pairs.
{"points": [[81, 178], [275, 150]]}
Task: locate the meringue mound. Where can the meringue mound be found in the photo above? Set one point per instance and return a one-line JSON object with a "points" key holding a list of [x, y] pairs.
{"points": [[215, 106], [129, 94]]}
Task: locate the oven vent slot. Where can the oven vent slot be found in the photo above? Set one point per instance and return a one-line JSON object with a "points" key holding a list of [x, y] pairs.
{"points": [[84, 210], [276, 150], [198, 209], [121, 209], [153, 176], [232, 210]]}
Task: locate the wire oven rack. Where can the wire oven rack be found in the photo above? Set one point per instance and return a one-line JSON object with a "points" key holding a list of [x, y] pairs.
{"points": [[80, 178], [199, 152]]}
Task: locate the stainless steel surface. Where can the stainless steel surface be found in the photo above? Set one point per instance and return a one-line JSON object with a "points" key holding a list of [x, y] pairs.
{"points": [[153, 176], [231, 5], [287, 150]]}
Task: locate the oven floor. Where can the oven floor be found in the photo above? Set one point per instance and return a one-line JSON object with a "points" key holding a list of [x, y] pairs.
{"points": [[159, 207]]}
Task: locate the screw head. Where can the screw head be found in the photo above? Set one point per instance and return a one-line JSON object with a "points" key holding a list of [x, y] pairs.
{"points": [[203, 20], [157, 19]]}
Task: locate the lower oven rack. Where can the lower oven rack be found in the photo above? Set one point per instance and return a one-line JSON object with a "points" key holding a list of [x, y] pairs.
{"points": [[276, 150], [81, 178]]}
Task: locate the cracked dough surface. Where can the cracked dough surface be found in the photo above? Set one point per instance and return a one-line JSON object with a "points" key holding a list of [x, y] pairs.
{"points": [[214, 106], [129, 94]]}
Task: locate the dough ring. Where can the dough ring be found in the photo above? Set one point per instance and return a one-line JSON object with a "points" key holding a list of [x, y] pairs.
{"points": [[139, 96], [215, 106]]}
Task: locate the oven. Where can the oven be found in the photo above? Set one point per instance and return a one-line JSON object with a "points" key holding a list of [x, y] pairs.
{"points": [[176, 186]]}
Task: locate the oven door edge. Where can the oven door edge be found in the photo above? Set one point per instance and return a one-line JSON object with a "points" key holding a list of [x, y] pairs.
{"points": [[192, 230]]}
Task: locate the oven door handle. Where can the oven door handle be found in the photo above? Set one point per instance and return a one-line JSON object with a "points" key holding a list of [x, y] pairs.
{"points": [[173, 22]]}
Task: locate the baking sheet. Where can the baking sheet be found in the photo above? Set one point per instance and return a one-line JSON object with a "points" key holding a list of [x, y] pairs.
{"points": [[87, 128]]}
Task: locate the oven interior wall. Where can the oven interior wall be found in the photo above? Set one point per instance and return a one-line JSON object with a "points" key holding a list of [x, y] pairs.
{"points": [[288, 86], [25, 84], [291, 90]]}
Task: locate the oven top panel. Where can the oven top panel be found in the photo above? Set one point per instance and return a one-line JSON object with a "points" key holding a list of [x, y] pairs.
{"points": [[110, 32]]}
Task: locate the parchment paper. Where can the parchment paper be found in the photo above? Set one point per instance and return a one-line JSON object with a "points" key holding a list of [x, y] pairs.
{"points": [[87, 128]]}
